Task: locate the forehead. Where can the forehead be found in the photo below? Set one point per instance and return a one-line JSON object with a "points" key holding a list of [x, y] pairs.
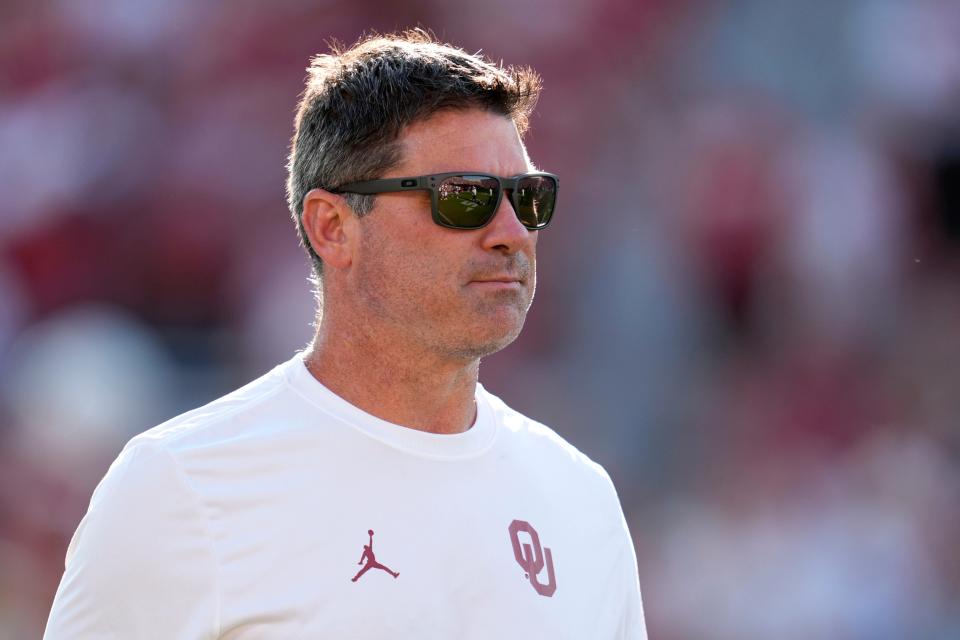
{"points": [[455, 140]]}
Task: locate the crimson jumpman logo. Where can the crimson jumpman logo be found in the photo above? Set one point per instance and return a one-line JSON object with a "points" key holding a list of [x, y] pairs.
{"points": [[371, 561]]}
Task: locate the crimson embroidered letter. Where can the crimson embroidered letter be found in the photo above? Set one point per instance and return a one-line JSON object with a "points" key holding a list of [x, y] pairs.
{"points": [[532, 557]]}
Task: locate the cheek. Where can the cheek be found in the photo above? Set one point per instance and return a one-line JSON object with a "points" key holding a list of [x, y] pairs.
{"points": [[404, 272]]}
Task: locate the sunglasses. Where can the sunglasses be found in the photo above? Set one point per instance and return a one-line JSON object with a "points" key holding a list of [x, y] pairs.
{"points": [[463, 200]]}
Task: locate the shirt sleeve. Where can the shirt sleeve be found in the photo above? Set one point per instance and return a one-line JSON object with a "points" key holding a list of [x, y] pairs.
{"points": [[141, 563], [634, 627]]}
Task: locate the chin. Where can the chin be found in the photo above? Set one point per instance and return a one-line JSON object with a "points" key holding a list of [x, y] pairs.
{"points": [[487, 345], [483, 330]]}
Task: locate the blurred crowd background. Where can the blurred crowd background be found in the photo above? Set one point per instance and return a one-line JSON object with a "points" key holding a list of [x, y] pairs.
{"points": [[748, 311]]}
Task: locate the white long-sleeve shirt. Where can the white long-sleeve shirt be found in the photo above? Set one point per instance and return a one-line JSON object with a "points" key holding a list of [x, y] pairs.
{"points": [[283, 511]]}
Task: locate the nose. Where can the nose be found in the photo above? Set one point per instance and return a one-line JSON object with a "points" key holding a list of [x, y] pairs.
{"points": [[505, 233]]}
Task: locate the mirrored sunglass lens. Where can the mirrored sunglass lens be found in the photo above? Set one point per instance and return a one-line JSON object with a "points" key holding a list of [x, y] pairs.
{"points": [[535, 198], [467, 201]]}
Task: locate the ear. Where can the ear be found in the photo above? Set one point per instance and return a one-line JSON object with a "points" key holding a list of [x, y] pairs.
{"points": [[330, 226]]}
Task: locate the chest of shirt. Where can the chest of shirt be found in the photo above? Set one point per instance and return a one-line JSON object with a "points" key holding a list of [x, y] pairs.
{"points": [[420, 554]]}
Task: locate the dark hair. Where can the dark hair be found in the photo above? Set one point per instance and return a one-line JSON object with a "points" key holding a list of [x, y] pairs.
{"points": [[358, 101]]}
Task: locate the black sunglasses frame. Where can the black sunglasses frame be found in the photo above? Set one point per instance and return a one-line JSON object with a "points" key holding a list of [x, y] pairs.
{"points": [[432, 182]]}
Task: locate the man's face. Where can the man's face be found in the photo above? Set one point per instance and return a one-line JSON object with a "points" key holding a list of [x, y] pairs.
{"points": [[460, 294]]}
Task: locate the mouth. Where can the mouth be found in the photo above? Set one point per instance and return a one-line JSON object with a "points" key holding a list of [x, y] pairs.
{"points": [[513, 276], [498, 281]]}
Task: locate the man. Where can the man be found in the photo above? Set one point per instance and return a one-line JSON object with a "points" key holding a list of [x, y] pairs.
{"points": [[415, 198]]}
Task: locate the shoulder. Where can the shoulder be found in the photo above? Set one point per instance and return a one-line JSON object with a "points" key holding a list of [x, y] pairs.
{"points": [[544, 445], [241, 412]]}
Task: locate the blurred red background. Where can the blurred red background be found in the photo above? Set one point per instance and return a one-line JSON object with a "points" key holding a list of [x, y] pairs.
{"points": [[749, 309]]}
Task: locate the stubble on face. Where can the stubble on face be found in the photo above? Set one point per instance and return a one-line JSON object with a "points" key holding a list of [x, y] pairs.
{"points": [[438, 305], [509, 305]]}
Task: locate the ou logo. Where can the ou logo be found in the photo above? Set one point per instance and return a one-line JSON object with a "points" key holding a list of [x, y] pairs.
{"points": [[532, 557]]}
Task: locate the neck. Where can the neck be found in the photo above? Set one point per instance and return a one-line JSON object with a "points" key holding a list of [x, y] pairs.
{"points": [[394, 381]]}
